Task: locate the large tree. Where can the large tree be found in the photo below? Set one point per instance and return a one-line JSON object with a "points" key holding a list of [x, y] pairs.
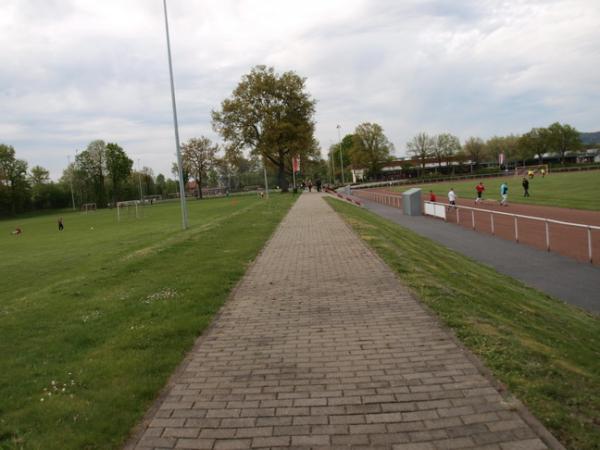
{"points": [[272, 115], [118, 166], [474, 149], [92, 162], [563, 139], [199, 157], [371, 149], [421, 148], [445, 146]]}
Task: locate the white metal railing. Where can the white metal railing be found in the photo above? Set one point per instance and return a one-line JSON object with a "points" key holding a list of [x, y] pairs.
{"points": [[516, 218]]}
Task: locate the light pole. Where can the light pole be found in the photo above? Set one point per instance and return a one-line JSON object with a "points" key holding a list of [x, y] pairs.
{"points": [[184, 214], [71, 180], [341, 157]]}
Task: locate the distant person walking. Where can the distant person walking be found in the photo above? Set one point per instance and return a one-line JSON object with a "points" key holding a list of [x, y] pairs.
{"points": [[479, 188], [432, 197], [525, 184], [452, 199], [543, 171], [61, 225], [309, 186], [504, 194], [318, 183]]}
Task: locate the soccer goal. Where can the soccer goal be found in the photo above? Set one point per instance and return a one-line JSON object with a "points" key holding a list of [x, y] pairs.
{"points": [[87, 207], [129, 209], [540, 169]]}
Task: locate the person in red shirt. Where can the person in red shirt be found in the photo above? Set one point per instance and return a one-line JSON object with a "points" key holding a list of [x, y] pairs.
{"points": [[432, 197], [479, 188]]}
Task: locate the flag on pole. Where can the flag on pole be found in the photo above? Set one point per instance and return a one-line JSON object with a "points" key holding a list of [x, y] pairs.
{"points": [[296, 164], [501, 159]]}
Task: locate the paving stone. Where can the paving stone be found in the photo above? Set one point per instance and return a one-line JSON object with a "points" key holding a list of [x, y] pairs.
{"points": [[322, 346]]}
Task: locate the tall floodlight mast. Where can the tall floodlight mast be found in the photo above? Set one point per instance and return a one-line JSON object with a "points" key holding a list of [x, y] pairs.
{"points": [[184, 214]]}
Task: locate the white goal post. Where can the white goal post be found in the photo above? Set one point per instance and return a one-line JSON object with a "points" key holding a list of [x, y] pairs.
{"points": [[539, 169], [128, 208]]}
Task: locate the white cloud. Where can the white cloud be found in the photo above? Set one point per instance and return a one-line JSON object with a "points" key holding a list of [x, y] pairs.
{"points": [[78, 70]]}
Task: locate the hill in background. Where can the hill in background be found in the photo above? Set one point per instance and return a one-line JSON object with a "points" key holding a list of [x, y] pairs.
{"points": [[590, 138]]}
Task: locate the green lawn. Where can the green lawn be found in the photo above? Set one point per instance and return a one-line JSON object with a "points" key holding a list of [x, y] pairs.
{"points": [[580, 190], [93, 320], [548, 353]]}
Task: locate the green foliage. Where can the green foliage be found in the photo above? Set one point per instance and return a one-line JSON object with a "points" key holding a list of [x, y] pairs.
{"points": [[272, 115], [107, 311], [118, 166], [15, 190], [421, 148], [474, 150], [563, 139], [199, 158], [91, 166], [370, 148], [546, 352]]}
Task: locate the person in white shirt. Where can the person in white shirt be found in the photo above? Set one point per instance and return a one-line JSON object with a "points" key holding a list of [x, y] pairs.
{"points": [[452, 198]]}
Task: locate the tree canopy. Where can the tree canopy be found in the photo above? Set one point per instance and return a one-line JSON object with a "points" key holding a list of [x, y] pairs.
{"points": [[270, 114], [371, 148]]}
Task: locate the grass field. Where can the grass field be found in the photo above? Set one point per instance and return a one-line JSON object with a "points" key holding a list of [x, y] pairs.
{"points": [[546, 352], [93, 320], [580, 190]]}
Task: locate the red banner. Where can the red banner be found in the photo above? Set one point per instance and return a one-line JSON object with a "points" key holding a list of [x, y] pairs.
{"points": [[296, 164]]}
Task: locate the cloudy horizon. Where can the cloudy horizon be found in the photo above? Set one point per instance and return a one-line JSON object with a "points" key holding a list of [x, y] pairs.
{"points": [[78, 70]]}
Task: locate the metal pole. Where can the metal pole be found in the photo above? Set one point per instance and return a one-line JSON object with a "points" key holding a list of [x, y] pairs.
{"points": [[492, 220], [516, 230], [589, 233], [473, 218], [341, 157], [184, 214], [547, 237], [71, 181]]}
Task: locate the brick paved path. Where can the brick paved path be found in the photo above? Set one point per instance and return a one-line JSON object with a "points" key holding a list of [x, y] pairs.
{"points": [[321, 346]]}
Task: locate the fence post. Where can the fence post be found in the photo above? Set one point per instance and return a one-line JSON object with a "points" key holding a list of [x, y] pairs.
{"points": [[589, 233], [457, 216], [516, 230], [547, 236], [473, 218], [492, 220]]}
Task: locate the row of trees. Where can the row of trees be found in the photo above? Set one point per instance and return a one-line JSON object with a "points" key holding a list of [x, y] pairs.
{"points": [[556, 139]]}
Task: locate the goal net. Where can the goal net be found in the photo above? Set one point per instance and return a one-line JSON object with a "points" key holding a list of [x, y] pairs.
{"points": [[531, 171], [129, 210], [87, 207]]}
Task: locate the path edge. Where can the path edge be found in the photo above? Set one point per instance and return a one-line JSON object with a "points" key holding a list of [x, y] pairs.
{"points": [[515, 404]]}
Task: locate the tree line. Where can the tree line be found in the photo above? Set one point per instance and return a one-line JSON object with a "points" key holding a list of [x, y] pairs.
{"points": [[266, 122], [557, 138]]}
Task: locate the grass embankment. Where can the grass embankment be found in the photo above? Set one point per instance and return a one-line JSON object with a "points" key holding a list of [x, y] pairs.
{"points": [[566, 190], [546, 352], [93, 320]]}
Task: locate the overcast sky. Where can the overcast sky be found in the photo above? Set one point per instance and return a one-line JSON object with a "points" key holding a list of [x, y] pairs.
{"points": [[72, 71]]}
